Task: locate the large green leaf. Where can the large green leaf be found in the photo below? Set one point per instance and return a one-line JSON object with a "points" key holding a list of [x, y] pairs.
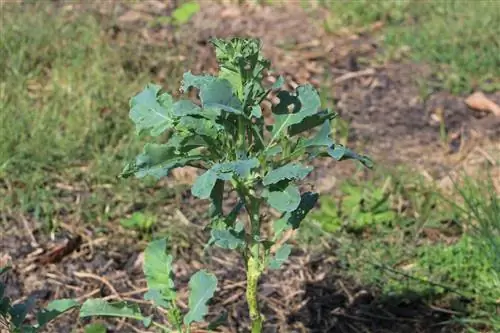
{"points": [[203, 185], [99, 307], [219, 94], [288, 171], [306, 103], [285, 200], [19, 311], [197, 81], [202, 286], [54, 309], [148, 114], [280, 256], [292, 219], [158, 269]]}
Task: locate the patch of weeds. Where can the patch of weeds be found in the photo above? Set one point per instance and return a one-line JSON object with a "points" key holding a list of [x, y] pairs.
{"points": [[359, 208], [180, 15], [142, 222], [444, 253]]}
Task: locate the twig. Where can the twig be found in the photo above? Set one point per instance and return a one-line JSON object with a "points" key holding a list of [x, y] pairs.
{"points": [[353, 75], [98, 278]]}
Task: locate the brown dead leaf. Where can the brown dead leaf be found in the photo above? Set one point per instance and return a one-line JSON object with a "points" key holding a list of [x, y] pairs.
{"points": [[185, 175], [479, 102]]}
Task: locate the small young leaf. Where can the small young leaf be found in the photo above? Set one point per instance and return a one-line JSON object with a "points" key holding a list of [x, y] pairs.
{"points": [[148, 114], [158, 268], [54, 309], [96, 328], [227, 239], [183, 13], [203, 185], [280, 256], [197, 81], [279, 83], [219, 94], [241, 168], [286, 200], [256, 111], [202, 286], [288, 171], [99, 307]]}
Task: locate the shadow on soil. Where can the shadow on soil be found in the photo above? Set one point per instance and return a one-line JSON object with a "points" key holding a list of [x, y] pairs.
{"points": [[331, 308]]}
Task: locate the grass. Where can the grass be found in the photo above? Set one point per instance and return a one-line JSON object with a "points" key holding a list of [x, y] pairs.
{"points": [[415, 239], [64, 98], [459, 37]]}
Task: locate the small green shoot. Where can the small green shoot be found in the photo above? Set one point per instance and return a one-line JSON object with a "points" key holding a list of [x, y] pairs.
{"points": [[141, 222]]}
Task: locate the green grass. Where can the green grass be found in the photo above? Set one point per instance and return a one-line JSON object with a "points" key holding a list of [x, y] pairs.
{"points": [[64, 92], [400, 235], [459, 37]]}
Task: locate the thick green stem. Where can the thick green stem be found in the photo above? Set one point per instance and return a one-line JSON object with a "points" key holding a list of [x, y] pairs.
{"points": [[253, 275]]}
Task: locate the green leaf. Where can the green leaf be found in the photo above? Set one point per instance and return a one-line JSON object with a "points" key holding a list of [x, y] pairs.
{"points": [[306, 103], [280, 256], [197, 81], [234, 78], [256, 111], [340, 153], [311, 122], [202, 286], [286, 200], [227, 238], [292, 219], [157, 298], [241, 168], [158, 269], [289, 171], [99, 307], [157, 160], [216, 197], [219, 94], [96, 328], [148, 114], [19, 311], [183, 13], [273, 151], [322, 138], [54, 309], [200, 126], [187, 108], [279, 83], [203, 185]]}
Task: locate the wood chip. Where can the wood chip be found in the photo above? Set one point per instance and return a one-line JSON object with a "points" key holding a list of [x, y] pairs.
{"points": [[479, 102]]}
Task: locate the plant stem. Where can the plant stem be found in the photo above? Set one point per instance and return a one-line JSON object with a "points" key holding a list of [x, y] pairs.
{"points": [[253, 275]]}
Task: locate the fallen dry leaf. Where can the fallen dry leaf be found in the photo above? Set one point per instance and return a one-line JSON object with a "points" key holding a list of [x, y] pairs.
{"points": [[479, 102]]}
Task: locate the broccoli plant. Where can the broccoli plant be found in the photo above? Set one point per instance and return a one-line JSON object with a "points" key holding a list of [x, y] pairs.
{"points": [[224, 134]]}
